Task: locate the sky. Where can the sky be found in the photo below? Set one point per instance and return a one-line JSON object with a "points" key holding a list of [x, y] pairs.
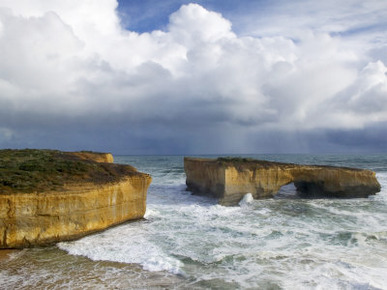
{"points": [[203, 77]]}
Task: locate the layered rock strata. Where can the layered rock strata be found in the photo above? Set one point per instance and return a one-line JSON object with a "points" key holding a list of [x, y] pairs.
{"points": [[229, 180], [94, 156], [74, 210]]}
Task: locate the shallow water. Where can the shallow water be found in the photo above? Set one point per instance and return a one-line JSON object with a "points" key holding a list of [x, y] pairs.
{"points": [[189, 241]]}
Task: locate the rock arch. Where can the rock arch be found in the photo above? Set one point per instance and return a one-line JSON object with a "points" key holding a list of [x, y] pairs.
{"points": [[228, 179]]}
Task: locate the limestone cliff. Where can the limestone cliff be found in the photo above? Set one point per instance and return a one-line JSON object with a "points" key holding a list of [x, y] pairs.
{"points": [[95, 156], [74, 209], [229, 179]]}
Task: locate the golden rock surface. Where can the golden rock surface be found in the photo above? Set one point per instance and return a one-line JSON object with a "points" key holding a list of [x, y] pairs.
{"points": [[97, 157]]}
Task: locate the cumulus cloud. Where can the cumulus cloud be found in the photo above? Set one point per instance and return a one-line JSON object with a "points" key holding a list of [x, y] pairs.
{"points": [[71, 76]]}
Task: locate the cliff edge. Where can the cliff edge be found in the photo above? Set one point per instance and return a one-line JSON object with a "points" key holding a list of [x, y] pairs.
{"points": [[229, 179], [47, 196]]}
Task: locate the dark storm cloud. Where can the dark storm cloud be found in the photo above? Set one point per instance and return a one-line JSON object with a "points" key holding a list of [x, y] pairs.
{"points": [[76, 80]]}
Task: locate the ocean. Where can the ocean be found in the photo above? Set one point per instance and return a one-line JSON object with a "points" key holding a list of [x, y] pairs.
{"points": [[190, 242]]}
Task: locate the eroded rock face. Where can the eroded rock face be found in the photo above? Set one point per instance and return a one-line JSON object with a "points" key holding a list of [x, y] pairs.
{"points": [[230, 180], [95, 156], [41, 218]]}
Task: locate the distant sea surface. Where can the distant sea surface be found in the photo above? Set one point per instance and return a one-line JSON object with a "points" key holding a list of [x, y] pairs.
{"points": [[190, 242]]}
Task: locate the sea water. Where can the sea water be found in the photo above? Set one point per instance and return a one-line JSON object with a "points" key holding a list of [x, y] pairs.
{"points": [[189, 242]]}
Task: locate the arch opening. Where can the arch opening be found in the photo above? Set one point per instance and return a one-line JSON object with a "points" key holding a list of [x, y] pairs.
{"points": [[287, 191]]}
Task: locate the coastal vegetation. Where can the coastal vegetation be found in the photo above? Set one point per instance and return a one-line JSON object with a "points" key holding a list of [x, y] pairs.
{"points": [[32, 170], [243, 163], [235, 159]]}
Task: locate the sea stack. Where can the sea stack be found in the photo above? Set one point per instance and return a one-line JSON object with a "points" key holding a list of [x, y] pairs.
{"points": [[229, 179], [48, 196]]}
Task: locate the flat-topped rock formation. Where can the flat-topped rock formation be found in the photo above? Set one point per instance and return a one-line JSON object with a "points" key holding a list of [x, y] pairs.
{"points": [[94, 156], [49, 196], [229, 179]]}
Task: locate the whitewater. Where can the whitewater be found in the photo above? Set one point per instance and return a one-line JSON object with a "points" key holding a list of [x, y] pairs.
{"points": [[188, 241]]}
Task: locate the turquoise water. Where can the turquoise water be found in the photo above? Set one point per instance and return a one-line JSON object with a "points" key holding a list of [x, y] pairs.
{"points": [[189, 241]]}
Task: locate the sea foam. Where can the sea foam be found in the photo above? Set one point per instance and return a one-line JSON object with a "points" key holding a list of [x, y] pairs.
{"points": [[275, 243], [246, 200]]}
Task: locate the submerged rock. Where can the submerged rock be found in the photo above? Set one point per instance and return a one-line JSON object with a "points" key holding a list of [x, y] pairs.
{"points": [[229, 179], [49, 196]]}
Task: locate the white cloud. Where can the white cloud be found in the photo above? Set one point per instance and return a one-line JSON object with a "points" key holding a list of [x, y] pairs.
{"points": [[289, 18], [193, 25], [365, 100], [70, 62], [83, 16]]}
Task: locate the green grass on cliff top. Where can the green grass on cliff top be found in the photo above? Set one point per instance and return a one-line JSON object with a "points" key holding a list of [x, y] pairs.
{"points": [[31, 170], [249, 162]]}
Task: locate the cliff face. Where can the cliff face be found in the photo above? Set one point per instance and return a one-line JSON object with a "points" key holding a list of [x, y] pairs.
{"points": [[73, 211], [230, 180], [205, 176], [43, 218], [94, 156]]}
